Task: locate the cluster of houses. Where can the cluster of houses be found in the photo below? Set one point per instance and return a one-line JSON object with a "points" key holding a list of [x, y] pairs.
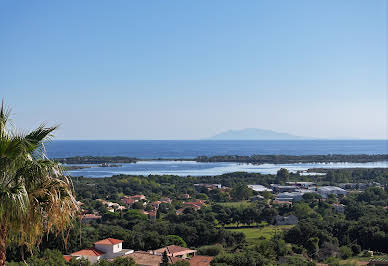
{"points": [[196, 205], [294, 191], [150, 210], [210, 187], [291, 192], [110, 248], [112, 206]]}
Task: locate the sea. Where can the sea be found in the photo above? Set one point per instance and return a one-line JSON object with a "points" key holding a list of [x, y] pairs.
{"points": [[189, 149]]}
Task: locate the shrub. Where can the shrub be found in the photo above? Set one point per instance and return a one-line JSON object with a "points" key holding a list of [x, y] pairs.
{"points": [[345, 252], [356, 249]]}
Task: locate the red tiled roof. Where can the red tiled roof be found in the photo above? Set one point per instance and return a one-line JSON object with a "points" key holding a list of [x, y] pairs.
{"points": [[109, 241], [200, 260], [67, 257], [128, 201], [146, 258], [172, 249], [88, 252]]}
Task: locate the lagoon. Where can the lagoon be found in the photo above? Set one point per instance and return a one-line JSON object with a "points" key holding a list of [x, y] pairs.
{"points": [[192, 168]]}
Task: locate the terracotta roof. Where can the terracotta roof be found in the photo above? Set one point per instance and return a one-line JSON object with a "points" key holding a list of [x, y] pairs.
{"points": [[88, 252], [173, 249], [109, 241], [128, 201], [145, 258], [200, 260], [67, 257]]}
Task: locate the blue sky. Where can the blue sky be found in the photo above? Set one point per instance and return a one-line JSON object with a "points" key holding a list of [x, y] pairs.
{"points": [[191, 69]]}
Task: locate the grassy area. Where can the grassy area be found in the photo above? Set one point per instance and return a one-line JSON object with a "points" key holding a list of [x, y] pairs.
{"points": [[254, 234]]}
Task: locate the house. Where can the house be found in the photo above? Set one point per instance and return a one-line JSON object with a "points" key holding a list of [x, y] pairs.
{"points": [[181, 210], [129, 200], [165, 200], [361, 186], [91, 254], [175, 251], [138, 197], [289, 196], [286, 220], [327, 190], [197, 202], [279, 188], [104, 249], [184, 196], [155, 204], [208, 186], [111, 206], [143, 258], [301, 184], [89, 217], [259, 188], [200, 260]]}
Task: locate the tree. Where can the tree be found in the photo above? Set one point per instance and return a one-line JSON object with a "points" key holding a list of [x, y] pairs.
{"points": [[282, 175], [345, 252], [241, 192], [312, 247], [164, 259], [35, 197]]}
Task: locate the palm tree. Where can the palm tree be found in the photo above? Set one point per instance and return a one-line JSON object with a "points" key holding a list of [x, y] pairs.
{"points": [[35, 197]]}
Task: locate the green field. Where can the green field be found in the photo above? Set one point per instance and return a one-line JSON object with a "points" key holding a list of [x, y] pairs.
{"points": [[254, 234]]}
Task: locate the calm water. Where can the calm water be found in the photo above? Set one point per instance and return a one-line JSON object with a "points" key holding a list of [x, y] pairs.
{"points": [[193, 148], [190, 168]]}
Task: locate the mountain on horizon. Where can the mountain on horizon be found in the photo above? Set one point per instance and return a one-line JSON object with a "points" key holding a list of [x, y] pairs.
{"points": [[255, 134]]}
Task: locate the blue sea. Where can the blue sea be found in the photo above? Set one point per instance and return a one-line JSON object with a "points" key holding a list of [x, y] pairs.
{"points": [[153, 149]]}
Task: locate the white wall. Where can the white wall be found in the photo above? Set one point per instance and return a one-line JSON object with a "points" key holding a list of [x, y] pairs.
{"points": [[109, 248]]}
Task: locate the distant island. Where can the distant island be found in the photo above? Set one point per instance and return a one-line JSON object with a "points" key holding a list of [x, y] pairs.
{"points": [[107, 161], [255, 134]]}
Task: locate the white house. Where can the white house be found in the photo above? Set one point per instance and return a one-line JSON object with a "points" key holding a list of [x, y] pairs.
{"points": [[104, 249], [91, 254], [327, 190]]}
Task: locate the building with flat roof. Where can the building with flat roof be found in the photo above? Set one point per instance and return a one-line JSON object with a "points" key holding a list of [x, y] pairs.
{"points": [[327, 190]]}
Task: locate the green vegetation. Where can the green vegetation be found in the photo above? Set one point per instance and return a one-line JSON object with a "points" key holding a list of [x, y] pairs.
{"points": [[228, 226], [96, 160], [282, 159], [35, 197], [255, 159]]}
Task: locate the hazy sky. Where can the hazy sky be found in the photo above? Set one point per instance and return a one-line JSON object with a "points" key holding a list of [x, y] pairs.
{"points": [[191, 69]]}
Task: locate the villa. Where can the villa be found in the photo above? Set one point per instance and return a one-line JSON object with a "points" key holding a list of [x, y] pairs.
{"points": [[109, 248]]}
